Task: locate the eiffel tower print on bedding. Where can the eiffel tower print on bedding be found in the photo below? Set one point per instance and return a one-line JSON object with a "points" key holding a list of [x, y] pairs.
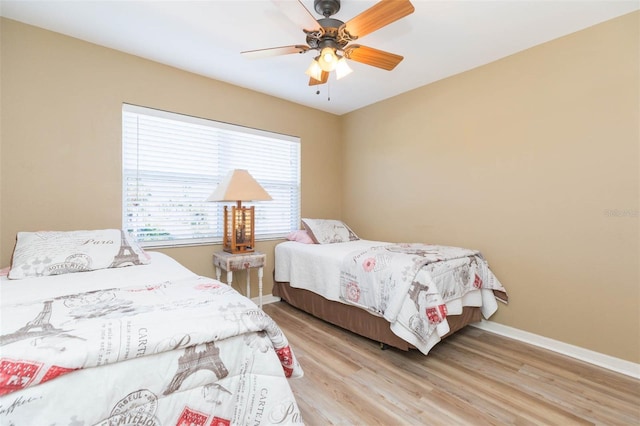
{"points": [[151, 344], [46, 253]]}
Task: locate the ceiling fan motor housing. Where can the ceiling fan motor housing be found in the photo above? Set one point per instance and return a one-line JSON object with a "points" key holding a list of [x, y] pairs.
{"points": [[326, 7], [333, 35]]}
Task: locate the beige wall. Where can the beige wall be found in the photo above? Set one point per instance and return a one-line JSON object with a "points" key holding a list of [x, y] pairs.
{"points": [[523, 159], [61, 134]]}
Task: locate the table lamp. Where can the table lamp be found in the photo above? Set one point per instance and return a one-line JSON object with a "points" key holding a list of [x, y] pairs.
{"points": [[239, 223]]}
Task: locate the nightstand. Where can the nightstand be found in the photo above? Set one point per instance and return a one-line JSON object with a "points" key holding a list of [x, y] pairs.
{"points": [[238, 262]]}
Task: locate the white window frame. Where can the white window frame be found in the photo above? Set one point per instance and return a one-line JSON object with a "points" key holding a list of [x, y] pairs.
{"points": [[164, 187]]}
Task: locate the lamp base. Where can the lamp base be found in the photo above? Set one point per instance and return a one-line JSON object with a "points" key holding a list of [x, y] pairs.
{"points": [[238, 230], [238, 251]]}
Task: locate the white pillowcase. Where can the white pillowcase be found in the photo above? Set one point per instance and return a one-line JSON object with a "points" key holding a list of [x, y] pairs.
{"points": [[61, 252], [327, 231]]}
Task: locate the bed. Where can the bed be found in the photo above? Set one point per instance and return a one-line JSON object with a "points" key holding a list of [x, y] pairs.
{"points": [[133, 337], [402, 295]]}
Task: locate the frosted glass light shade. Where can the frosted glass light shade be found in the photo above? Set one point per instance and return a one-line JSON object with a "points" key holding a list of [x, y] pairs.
{"points": [[328, 59], [314, 71], [342, 69]]}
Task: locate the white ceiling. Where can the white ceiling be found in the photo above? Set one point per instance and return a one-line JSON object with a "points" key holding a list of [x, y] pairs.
{"points": [[441, 38]]}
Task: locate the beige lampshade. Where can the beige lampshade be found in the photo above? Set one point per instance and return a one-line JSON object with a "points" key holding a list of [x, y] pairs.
{"points": [[239, 185]]}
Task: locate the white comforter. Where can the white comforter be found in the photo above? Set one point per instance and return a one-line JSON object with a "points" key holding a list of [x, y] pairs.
{"points": [[152, 344], [315, 267], [413, 286]]}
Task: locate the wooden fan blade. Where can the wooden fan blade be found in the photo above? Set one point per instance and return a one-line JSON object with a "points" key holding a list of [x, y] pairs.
{"points": [[323, 80], [377, 16], [374, 57], [275, 51], [298, 14]]}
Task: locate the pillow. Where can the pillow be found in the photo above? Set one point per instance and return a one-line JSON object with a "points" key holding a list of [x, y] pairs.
{"points": [[55, 252], [326, 231], [300, 236]]}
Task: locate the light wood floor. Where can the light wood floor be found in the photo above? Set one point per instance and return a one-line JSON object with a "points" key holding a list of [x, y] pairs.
{"points": [[473, 377]]}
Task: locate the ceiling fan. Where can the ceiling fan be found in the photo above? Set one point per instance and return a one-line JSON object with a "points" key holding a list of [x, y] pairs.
{"points": [[331, 37]]}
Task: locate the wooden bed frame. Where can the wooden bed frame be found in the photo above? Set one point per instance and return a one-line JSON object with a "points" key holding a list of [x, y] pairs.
{"points": [[358, 320]]}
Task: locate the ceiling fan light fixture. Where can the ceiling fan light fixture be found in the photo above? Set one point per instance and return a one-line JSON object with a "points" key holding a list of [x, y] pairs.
{"points": [[332, 37], [328, 59], [314, 71], [342, 68]]}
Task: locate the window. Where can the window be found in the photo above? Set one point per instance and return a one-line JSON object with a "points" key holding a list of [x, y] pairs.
{"points": [[172, 163]]}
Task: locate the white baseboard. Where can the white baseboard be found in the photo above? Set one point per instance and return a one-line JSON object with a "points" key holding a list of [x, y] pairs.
{"points": [[605, 361], [266, 299]]}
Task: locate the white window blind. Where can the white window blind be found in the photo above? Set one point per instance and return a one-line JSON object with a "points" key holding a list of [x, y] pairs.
{"points": [[172, 163]]}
